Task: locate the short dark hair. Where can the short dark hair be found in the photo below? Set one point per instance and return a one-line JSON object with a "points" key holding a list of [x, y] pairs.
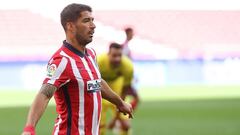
{"points": [[72, 12], [128, 29], [115, 45]]}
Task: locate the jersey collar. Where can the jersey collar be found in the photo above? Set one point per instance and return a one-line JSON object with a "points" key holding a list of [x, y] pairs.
{"points": [[74, 50]]}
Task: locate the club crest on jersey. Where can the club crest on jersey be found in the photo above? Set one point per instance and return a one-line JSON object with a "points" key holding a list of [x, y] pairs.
{"points": [[93, 85], [51, 68]]}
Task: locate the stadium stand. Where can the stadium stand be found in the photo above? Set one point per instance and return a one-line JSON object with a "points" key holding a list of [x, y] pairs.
{"points": [[193, 34]]}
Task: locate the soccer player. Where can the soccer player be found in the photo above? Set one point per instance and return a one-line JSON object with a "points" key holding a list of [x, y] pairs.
{"points": [[117, 70], [74, 79], [132, 92], [129, 36]]}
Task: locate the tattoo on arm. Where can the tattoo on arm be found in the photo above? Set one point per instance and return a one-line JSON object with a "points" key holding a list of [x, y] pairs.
{"points": [[48, 90]]}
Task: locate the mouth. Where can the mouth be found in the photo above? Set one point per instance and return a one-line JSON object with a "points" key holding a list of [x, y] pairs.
{"points": [[91, 33]]}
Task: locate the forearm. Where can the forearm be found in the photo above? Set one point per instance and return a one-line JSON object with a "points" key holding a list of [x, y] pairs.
{"points": [[37, 109], [39, 104], [110, 95], [129, 90]]}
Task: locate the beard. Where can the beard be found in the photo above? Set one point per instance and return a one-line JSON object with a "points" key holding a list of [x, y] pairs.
{"points": [[81, 40]]}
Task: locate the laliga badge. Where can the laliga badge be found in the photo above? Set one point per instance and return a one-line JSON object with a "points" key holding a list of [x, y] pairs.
{"points": [[51, 69], [93, 85]]}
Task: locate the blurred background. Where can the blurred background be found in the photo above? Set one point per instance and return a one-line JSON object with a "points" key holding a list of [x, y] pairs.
{"points": [[186, 56]]}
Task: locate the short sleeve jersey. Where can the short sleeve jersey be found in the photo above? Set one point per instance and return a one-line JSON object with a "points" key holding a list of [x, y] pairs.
{"points": [[78, 95]]}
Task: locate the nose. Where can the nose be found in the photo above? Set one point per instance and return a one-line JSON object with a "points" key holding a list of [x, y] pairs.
{"points": [[118, 59], [93, 26]]}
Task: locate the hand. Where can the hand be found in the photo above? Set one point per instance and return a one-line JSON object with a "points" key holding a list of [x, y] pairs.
{"points": [[126, 108]]}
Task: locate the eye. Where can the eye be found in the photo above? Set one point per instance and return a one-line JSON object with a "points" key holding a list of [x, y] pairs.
{"points": [[86, 19], [90, 19]]}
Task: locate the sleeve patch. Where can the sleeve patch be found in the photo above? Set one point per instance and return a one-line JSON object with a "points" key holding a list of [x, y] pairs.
{"points": [[51, 68]]}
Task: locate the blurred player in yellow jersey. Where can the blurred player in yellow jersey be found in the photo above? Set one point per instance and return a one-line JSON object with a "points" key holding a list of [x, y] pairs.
{"points": [[117, 70]]}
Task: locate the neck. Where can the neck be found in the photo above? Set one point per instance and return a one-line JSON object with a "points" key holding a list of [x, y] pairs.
{"points": [[76, 45], [129, 39]]}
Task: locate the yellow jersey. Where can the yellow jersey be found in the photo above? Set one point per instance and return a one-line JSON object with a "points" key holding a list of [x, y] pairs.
{"points": [[117, 78], [110, 74]]}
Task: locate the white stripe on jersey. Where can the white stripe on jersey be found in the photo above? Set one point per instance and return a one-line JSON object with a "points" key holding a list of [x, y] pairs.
{"points": [[95, 101], [92, 51], [60, 68], [95, 60], [58, 125], [78, 76], [99, 76], [95, 120], [95, 67]]}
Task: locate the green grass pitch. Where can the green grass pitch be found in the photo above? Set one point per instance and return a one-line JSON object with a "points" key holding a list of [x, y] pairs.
{"points": [[161, 112]]}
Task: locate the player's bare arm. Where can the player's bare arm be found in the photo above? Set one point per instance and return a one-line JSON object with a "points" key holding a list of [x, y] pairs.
{"points": [[129, 90], [48, 90], [112, 97], [38, 106]]}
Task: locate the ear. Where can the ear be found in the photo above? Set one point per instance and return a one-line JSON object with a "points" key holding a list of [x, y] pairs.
{"points": [[71, 27]]}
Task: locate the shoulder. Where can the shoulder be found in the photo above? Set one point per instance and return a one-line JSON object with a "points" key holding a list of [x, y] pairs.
{"points": [[91, 52], [102, 57], [126, 61], [127, 66], [59, 56]]}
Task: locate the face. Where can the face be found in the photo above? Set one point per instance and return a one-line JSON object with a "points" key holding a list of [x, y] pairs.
{"points": [[129, 35], [115, 56], [83, 29]]}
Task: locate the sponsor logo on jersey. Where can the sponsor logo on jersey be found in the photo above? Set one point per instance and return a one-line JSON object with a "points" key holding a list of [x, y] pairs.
{"points": [[93, 85], [51, 68]]}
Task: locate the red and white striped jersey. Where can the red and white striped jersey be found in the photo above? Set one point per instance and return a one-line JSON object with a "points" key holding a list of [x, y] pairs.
{"points": [[78, 97]]}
